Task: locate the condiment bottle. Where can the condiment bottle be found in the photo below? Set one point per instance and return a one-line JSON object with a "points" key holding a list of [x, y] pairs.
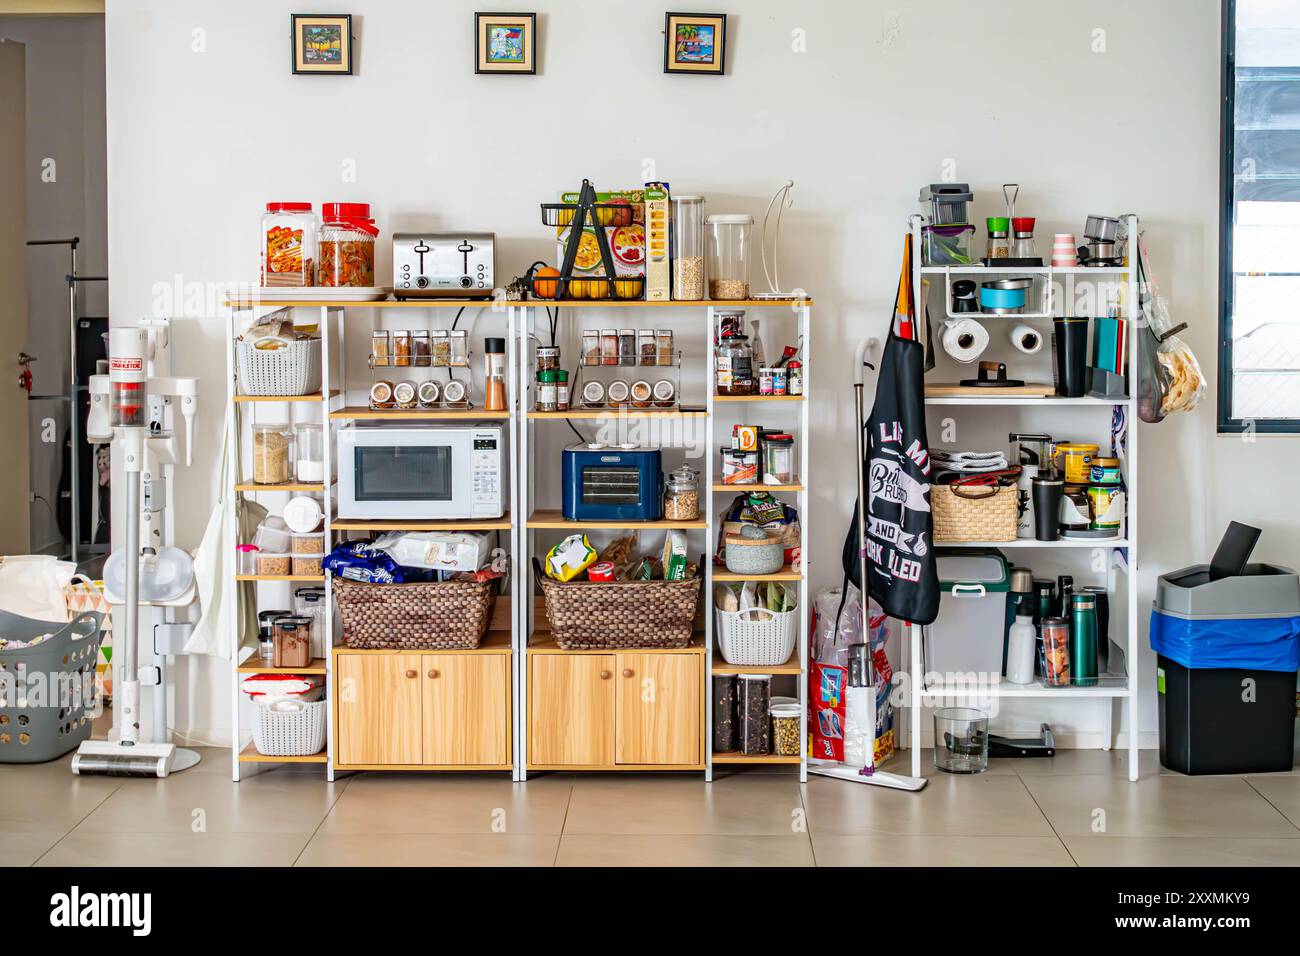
{"points": [[494, 374]]}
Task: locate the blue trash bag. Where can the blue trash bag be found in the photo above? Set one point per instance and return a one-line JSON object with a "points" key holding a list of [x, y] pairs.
{"points": [[1260, 643]]}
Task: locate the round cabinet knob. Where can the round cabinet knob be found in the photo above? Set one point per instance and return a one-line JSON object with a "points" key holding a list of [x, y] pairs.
{"points": [[605, 675], [627, 672], [411, 674], [432, 672]]}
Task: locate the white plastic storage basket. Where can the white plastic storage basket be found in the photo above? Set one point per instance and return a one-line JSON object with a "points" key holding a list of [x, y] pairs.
{"points": [[767, 640], [289, 728], [292, 370]]}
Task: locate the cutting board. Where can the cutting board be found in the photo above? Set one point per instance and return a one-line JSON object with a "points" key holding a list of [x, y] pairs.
{"points": [[1030, 390]]}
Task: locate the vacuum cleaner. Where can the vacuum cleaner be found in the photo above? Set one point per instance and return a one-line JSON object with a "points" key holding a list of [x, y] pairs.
{"points": [[121, 411]]}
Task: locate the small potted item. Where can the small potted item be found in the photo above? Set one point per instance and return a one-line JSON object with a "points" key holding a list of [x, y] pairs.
{"points": [[754, 551]]}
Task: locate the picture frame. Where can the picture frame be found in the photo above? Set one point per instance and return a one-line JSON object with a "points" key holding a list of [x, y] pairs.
{"points": [[505, 43], [321, 44], [695, 43]]}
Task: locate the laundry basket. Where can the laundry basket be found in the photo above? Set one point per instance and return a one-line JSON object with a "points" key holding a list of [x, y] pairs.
{"points": [[757, 636], [48, 696], [289, 728], [294, 369]]}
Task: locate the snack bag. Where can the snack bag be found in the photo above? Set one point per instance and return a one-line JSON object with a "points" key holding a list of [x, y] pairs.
{"points": [[569, 558], [674, 557]]}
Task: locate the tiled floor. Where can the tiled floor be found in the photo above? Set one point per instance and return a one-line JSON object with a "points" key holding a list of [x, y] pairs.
{"points": [[1078, 809]]}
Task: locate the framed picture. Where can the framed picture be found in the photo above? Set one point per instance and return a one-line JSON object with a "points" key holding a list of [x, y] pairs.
{"points": [[321, 44], [695, 43], [505, 43]]}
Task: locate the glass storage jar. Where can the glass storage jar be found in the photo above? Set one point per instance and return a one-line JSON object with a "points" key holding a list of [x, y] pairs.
{"points": [[778, 459], [728, 259], [290, 233], [753, 701], [688, 248], [309, 451], [272, 453], [347, 245], [682, 494], [734, 366]]}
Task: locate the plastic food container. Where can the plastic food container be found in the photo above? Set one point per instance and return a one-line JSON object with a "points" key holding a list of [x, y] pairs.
{"points": [[753, 704], [739, 467], [785, 729], [724, 713], [303, 514], [304, 544], [246, 558], [272, 454], [727, 239], [947, 245], [347, 245], [778, 459], [292, 640], [688, 248], [271, 562], [290, 233], [309, 451], [272, 536], [307, 565]]}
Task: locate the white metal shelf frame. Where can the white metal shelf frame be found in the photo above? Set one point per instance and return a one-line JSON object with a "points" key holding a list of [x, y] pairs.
{"points": [[1123, 554]]}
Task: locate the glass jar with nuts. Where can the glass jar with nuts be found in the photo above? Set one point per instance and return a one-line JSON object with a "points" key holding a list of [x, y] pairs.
{"points": [[682, 495]]}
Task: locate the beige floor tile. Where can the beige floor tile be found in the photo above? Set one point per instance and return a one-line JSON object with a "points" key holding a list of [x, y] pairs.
{"points": [[18, 848], [428, 849], [450, 803], [104, 848], [1183, 851], [650, 804], [1281, 790], [40, 797], [1088, 762], [918, 850], [272, 802], [1156, 806], [684, 850], [950, 805]]}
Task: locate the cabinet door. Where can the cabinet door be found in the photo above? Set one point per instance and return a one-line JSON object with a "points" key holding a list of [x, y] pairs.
{"points": [[378, 708], [658, 708], [466, 709], [571, 709]]}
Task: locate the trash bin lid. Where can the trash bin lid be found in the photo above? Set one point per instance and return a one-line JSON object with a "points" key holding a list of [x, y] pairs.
{"points": [[1265, 590], [989, 570]]}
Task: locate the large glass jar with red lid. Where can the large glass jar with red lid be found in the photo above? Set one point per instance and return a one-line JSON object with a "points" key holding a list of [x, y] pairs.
{"points": [[347, 245], [289, 235]]}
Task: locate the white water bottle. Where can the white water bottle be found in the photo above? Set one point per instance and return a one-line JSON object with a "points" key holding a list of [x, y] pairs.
{"points": [[1022, 642]]}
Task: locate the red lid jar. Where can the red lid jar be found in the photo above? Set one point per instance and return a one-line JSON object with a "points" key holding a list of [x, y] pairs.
{"points": [[347, 245]]}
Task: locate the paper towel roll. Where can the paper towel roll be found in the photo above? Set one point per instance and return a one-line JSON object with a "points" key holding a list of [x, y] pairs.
{"points": [[964, 339], [1026, 339]]}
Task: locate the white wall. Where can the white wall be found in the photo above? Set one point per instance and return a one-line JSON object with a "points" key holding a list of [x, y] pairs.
{"points": [[65, 123], [882, 99]]}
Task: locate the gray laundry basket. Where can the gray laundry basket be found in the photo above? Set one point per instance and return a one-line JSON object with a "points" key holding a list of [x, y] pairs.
{"points": [[48, 697]]}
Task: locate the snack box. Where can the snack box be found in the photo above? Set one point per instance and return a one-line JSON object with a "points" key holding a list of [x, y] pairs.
{"points": [[627, 244], [658, 275]]}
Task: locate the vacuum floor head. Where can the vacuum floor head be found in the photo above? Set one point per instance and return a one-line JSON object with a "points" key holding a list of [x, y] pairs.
{"points": [[118, 760]]}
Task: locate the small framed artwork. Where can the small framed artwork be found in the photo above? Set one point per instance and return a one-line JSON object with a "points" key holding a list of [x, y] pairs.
{"points": [[695, 43], [505, 43], [321, 44]]}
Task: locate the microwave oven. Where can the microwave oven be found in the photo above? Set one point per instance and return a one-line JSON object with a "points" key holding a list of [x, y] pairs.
{"points": [[420, 472], [612, 482]]}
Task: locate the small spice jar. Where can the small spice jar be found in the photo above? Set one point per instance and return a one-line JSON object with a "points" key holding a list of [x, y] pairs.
{"points": [[665, 394], [402, 348], [546, 392], [627, 347], [459, 348], [682, 495], [381, 395], [404, 395], [609, 346], [641, 393], [647, 348], [272, 458], [664, 344], [794, 377], [753, 703], [380, 349], [548, 358], [785, 729], [591, 347], [421, 349], [561, 390], [439, 348], [453, 393], [724, 713], [427, 394], [593, 394], [617, 393]]}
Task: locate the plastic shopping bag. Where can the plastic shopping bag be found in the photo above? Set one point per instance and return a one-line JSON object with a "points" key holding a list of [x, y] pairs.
{"points": [[1169, 377]]}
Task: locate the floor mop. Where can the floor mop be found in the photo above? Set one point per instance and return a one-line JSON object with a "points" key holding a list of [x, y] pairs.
{"points": [[860, 702]]}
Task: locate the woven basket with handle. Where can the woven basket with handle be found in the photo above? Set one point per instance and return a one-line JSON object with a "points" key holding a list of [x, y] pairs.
{"points": [[974, 512], [425, 616], [599, 615]]}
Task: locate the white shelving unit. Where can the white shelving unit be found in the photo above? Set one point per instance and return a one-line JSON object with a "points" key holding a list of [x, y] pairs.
{"points": [[1082, 420]]}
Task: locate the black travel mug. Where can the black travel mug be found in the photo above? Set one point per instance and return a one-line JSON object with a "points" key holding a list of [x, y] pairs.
{"points": [[1047, 494], [1070, 346]]}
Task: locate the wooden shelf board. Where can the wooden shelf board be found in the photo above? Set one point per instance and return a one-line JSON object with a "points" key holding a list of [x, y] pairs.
{"points": [[450, 524], [669, 304], [757, 398], [757, 486], [755, 758], [531, 303], [554, 518], [251, 666], [314, 397], [617, 413], [251, 486], [317, 578], [785, 574], [250, 755], [791, 666], [417, 414], [496, 642]]}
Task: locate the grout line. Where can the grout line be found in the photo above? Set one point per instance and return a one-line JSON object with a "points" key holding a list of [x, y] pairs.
{"points": [[568, 802], [330, 809], [1263, 797], [1048, 819], [79, 822]]}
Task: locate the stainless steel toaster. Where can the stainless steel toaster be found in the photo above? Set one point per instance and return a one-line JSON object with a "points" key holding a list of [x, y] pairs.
{"points": [[444, 264]]}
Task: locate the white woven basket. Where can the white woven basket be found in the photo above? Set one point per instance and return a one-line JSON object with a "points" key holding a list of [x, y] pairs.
{"points": [[292, 370], [767, 641], [295, 732]]}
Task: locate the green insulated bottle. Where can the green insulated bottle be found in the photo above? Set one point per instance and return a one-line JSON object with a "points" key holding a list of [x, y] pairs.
{"points": [[1083, 639]]}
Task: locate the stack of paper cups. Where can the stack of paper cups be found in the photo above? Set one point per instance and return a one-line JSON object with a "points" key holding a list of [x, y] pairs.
{"points": [[1064, 252]]}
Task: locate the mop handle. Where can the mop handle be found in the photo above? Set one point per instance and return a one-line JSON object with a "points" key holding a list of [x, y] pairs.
{"points": [[864, 600]]}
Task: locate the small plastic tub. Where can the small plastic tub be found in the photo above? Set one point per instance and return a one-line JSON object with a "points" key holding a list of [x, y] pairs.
{"points": [[307, 564], [313, 543], [947, 245], [274, 562], [246, 558], [785, 729]]}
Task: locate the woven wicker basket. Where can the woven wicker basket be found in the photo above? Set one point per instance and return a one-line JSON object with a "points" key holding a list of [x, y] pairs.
{"points": [[598, 615], [447, 615], [974, 513]]}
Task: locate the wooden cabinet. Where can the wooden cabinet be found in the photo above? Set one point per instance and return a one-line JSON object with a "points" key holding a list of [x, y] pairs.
{"points": [[422, 710], [611, 710]]}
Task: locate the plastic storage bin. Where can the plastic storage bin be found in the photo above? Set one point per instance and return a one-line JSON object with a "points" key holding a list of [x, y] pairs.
{"points": [[292, 370], [1227, 653], [757, 636], [947, 245], [967, 635]]}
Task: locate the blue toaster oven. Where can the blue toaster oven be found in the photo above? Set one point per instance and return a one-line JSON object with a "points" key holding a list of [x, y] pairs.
{"points": [[609, 482]]}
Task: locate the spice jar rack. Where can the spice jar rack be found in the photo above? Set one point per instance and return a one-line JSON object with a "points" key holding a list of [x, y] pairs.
{"points": [[420, 369]]}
